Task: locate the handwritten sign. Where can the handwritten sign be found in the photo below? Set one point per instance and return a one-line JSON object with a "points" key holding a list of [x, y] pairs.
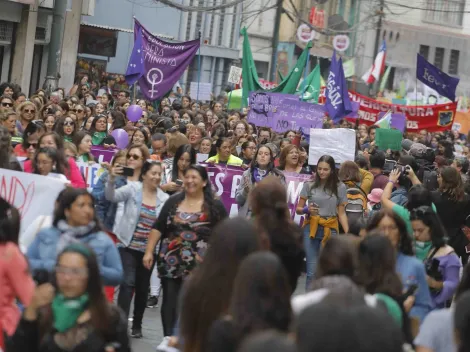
{"points": [[283, 112], [102, 154], [33, 195]]}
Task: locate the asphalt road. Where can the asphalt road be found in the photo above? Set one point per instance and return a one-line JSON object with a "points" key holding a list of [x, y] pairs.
{"points": [[152, 326]]}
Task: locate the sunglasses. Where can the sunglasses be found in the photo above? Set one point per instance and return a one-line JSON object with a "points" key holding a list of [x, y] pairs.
{"points": [[7, 104], [29, 111], [134, 157], [34, 145], [68, 123]]}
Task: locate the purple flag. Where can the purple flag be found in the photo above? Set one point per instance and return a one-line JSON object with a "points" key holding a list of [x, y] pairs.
{"points": [[157, 65], [337, 103], [434, 78]]}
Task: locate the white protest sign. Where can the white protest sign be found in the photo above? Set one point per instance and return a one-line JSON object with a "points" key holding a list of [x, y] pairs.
{"points": [[340, 143], [305, 33], [341, 42], [92, 173], [33, 195], [205, 90], [234, 75]]}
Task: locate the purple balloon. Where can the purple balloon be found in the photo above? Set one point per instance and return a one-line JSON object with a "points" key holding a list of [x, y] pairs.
{"points": [[134, 113], [121, 137]]}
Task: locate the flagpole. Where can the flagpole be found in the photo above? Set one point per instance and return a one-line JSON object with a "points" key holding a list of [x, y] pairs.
{"points": [[304, 84], [198, 67], [230, 96]]}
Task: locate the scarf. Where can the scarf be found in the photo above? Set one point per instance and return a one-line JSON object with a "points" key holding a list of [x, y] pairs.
{"points": [[68, 138], [67, 310], [259, 174], [422, 249], [98, 138], [71, 234]]}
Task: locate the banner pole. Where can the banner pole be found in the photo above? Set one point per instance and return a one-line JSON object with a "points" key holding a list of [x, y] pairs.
{"points": [[230, 96], [304, 84], [198, 67]]}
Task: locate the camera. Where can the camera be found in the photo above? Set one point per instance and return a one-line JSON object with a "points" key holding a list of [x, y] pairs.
{"points": [[432, 270]]}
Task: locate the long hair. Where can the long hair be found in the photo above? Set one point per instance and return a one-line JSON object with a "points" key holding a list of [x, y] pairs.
{"points": [[332, 182], [32, 128], [186, 148], [65, 201], [429, 218], [209, 200], [5, 148], [9, 222], [377, 259], [338, 257], [52, 154], [101, 315], [59, 126], [462, 322], [349, 171], [77, 140], [452, 184], [284, 153], [59, 142], [418, 196], [144, 132], [405, 244], [261, 296], [95, 120], [270, 169], [208, 290]]}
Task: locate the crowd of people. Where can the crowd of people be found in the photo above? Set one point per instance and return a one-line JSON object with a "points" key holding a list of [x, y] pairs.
{"points": [[383, 238]]}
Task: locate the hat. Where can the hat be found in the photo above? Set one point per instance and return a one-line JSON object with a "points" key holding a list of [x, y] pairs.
{"points": [[375, 195], [406, 144], [417, 150]]}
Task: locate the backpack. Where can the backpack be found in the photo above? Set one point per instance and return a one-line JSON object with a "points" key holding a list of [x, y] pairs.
{"points": [[357, 204]]}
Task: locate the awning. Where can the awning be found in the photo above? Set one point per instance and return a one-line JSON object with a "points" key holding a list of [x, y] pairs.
{"points": [[126, 30]]}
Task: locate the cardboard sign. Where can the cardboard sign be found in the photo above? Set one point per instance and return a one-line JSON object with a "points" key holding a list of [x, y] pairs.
{"points": [[340, 143]]}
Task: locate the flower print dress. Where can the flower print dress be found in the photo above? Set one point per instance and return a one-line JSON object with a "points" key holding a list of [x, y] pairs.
{"points": [[184, 244]]}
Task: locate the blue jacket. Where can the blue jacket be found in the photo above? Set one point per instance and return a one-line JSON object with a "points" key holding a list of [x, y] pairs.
{"points": [[399, 196], [42, 253], [411, 271], [127, 216], [106, 210]]}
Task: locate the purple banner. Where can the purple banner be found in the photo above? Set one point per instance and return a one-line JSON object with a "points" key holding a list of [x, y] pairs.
{"points": [[283, 112], [102, 154], [157, 65], [225, 181], [397, 121]]}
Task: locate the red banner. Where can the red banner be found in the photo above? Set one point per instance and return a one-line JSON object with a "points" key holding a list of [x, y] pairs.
{"points": [[433, 118]]}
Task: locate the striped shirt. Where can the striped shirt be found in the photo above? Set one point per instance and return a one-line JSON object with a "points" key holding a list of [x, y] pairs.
{"points": [[146, 220]]}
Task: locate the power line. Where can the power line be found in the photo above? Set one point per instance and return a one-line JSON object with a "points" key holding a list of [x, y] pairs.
{"points": [[186, 8]]}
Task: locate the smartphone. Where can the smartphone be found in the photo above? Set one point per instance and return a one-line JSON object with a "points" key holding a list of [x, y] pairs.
{"points": [[411, 291], [127, 171], [179, 182]]}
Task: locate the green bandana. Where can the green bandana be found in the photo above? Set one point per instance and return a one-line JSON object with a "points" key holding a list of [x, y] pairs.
{"points": [[422, 249], [67, 310], [68, 139], [98, 138]]}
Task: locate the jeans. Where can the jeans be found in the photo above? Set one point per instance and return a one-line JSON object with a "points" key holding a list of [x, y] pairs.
{"points": [[169, 311], [136, 279], [312, 248]]}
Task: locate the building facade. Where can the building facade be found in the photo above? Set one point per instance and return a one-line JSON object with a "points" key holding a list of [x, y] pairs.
{"points": [[439, 30]]}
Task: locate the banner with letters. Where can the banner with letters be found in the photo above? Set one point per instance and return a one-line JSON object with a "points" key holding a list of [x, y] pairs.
{"points": [[33, 195], [283, 112], [433, 118], [102, 154], [226, 179], [91, 173]]}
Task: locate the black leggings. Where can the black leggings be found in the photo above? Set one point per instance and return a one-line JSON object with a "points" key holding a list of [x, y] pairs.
{"points": [[136, 278], [171, 289]]}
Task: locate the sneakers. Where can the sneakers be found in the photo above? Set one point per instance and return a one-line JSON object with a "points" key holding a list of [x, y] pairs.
{"points": [[136, 333], [152, 302]]}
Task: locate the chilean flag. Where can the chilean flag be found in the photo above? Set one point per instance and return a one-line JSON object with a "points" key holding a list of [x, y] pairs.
{"points": [[378, 68]]}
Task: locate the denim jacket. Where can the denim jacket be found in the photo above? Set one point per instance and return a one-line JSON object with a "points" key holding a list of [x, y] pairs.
{"points": [[399, 196], [42, 253], [105, 210], [128, 215]]}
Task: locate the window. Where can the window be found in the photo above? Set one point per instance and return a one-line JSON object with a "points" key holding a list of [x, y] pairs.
{"points": [[424, 51], [454, 62], [445, 11], [439, 58]]}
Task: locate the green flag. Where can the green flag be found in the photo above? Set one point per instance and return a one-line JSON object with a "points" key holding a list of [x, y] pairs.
{"points": [[312, 86], [349, 68], [250, 76], [383, 83]]}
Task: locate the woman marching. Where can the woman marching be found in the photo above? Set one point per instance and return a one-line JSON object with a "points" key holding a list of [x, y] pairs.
{"points": [[326, 199], [143, 201]]}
